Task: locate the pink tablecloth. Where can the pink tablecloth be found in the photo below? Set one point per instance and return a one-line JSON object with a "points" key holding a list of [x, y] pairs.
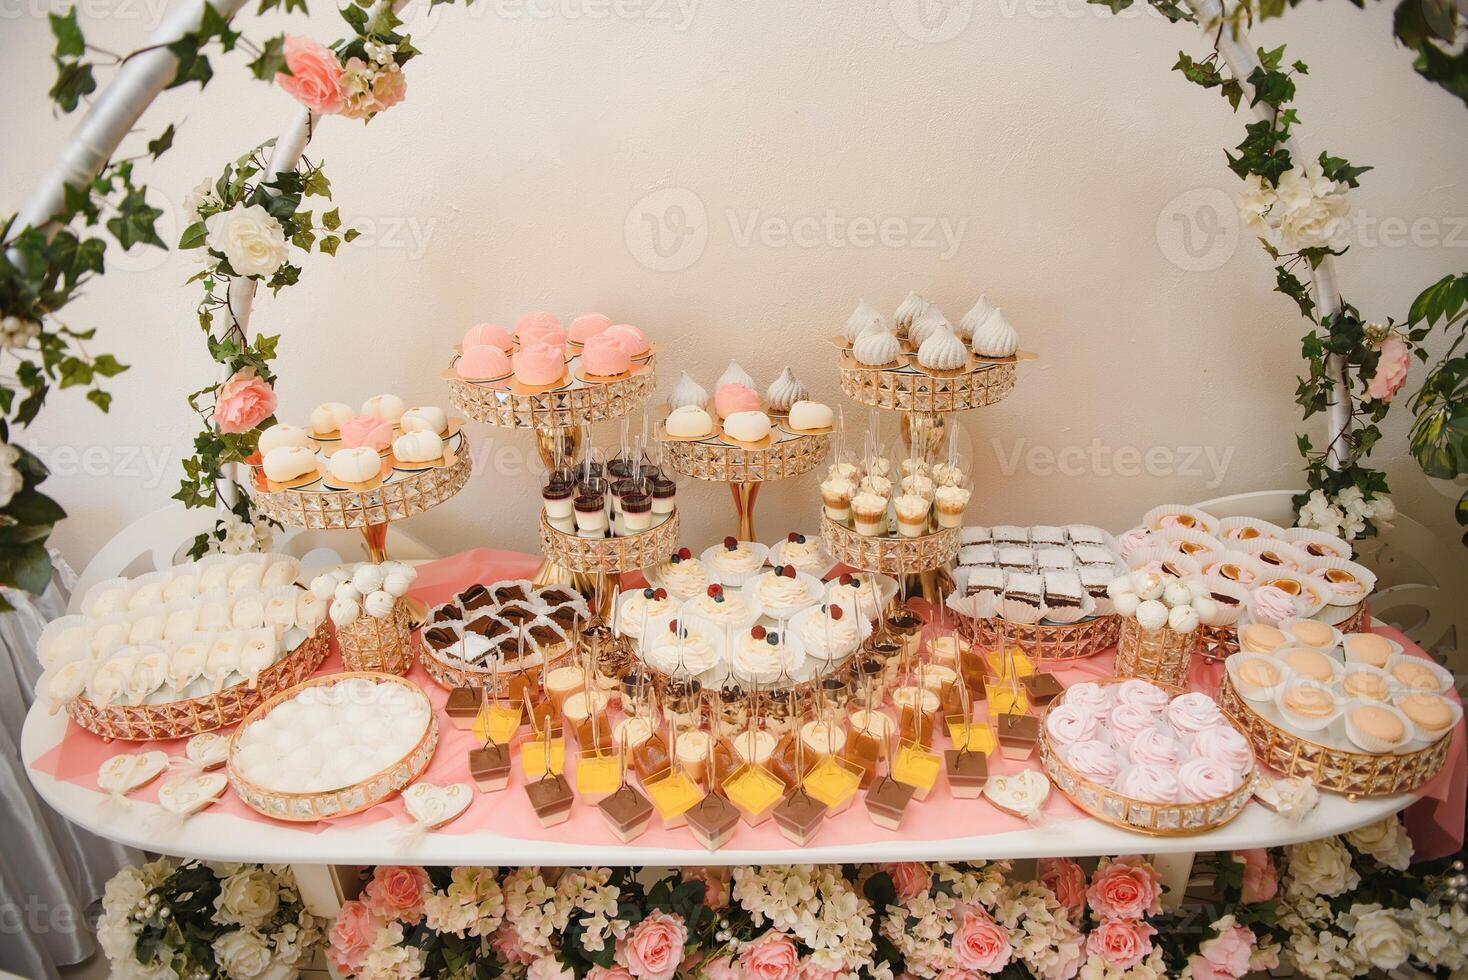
{"points": [[1436, 822]]}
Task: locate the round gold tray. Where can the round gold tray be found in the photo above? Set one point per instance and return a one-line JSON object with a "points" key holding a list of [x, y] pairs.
{"points": [[911, 389], [183, 719], [1050, 642], [609, 556], [1157, 819], [449, 675], [305, 807], [1353, 774], [892, 555], [578, 401], [712, 459], [401, 495]]}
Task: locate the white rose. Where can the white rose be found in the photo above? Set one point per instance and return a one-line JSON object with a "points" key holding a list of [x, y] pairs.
{"points": [[1295, 797], [1380, 940], [202, 194], [250, 238], [17, 331], [11, 482], [248, 898], [1386, 841], [243, 954], [1320, 867]]}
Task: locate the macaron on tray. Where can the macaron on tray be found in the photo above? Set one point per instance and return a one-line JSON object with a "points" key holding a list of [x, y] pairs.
{"points": [[342, 448], [1282, 573], [541, 355], [1357, 693], [186, 634]]}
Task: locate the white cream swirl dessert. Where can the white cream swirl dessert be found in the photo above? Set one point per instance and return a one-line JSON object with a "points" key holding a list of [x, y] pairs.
{"points": [[856, 592], [830, 635], [719, 607], [782, 593], [687, 392], [876, 349], [646, 606], [975, 317], [927, 323], [995, 337], [942, 351], [784, 392], [865, 319], [688, 650], [735, 375], [909, 309], [683, 577], [736, 556]]}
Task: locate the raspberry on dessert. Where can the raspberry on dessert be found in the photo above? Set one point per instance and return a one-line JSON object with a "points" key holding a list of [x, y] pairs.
{"points": [[660, 594], [788, 571], [685, 554], [837, 612], [846, 578], [792, 537], [757, 631]]}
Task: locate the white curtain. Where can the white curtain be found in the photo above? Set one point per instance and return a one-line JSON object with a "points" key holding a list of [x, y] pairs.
{"points": [[50, 871]]}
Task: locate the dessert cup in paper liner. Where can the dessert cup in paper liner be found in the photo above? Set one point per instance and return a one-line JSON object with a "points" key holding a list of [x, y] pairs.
{"points": [[705, 652], [1371, 649], [1180, 515], [633, 607], [735, 567], [1022, 610], [110, 596], [1066, 615], [1244, 528], [739, 611], [685, 580], [809, 625], [1369, 727], [1414, 674], [781, 597], [1236, 566], [818, 563], [1307, 594], [1308, 707], [1137, 537], [1368, 683], [1163, 560], [751, 665], [65, 639], [1348, 583], [1424, 735], [1273, 553], [1188, 540], [873, 596], [981, 605], [1317, 543], [1311, 633], [1225, 613]]}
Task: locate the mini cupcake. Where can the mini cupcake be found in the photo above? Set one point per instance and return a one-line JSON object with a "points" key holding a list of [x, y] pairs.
{"points": [[735, 562], [1179, 515]]}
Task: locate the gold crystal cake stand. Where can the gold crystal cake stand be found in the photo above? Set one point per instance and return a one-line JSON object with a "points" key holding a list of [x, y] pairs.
{"points": [[555, 415], [1353, 774], [890, 555], [745, 469], [595, 560], [1049, 642]]}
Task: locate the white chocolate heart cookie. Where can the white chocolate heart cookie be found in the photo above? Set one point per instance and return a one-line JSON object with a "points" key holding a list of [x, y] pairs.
{"points": [[1022, 794], [122, 774], [185, 795], [207, 751], [433, 806]]}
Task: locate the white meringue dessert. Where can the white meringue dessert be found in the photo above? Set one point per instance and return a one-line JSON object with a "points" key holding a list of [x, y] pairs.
{"points": [[942, 352], [689, 422], [865, 319], [976, 315], [785, 391], [877, 349], [687, 392], [809, 416], [286, 463], [735, 375], [995, 337], [927, 323], [909, 309], [747, 426], [357, 465]]}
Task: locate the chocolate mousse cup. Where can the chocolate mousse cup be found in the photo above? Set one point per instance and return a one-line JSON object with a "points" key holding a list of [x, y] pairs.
{"points": [[636, 511], [664, 494]]}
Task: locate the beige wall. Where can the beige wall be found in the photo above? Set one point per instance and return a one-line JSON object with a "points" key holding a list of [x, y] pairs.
{"points": [[1050, 140]]}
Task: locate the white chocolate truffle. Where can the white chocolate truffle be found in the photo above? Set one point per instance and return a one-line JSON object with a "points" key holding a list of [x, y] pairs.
{"points": [[1183, 619], [785, 391], [942, 351], [1176, 594], [398, 583], [330, 417], [735, 375], [1147, 585], [747, 426], [995, 337], [864, 320], [876, 349], [1151, 614], [909, 309], [1119, 585], [976, 315], [811, 415], [367, 577], [356, 465], [418, 447], [1207, 609], [689, 422], [378, 605], [425, 418], [687, 392], [282, 435], [389, 408], [344, 611], [927, 323], [346, 592], [1126, 603], [286, 463]]}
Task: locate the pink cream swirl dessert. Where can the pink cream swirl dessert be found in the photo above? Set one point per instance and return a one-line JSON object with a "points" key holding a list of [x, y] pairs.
{"points": [[540, 364], [603, 358], [1072, 723], [1137, 537], [1204, 779], [1224, 746], [1094, 760], [1155, 747], [1153, 784], [1130, 720], [1142, 694], [366, 430], [539, 327], [1271, 604], [1088, 694], [1190, 713]]}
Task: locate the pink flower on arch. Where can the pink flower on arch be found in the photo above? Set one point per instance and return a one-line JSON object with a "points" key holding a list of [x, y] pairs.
{"points": [[771, 957], [1225, 956], [1125, 888], [981, 944], [397, 892], [315, 78], [1261, 877], [910, 878], [1066, 879], [655, 947], [1394, 358], [1122, 943], [243, 402], [351, 936]]}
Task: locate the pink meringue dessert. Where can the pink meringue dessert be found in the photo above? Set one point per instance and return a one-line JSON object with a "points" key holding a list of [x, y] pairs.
{"points": [[603, 357], [539, 365], [733, 398], [482, 364], [488, 335], [539, 327], [366, 430], [632, 340], [588, 325]]}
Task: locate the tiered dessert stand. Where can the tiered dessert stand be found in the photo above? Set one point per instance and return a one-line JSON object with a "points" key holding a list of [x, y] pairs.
{"points": [[594, 560], [789, 454], [556, 416]]}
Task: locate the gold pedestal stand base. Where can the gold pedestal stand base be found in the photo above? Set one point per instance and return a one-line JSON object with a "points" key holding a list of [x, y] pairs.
{"points": [[744, 495], [934, 585]]}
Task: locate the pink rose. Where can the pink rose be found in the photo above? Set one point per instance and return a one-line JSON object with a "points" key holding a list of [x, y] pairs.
{"points": [[910, 879], [351, 935], [608, 973], [1393, 359], [1066, 879], [389, 88], [1225, 955], [981, 944], [809, 971], [1122, 943], [958, 975], [771, 957], [397, 892], [655, 947], [715, 886], [549, 968], [243, 402], [722, 968], [315, 78], [506, 942], [1261, 878], [1125, 888]]}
